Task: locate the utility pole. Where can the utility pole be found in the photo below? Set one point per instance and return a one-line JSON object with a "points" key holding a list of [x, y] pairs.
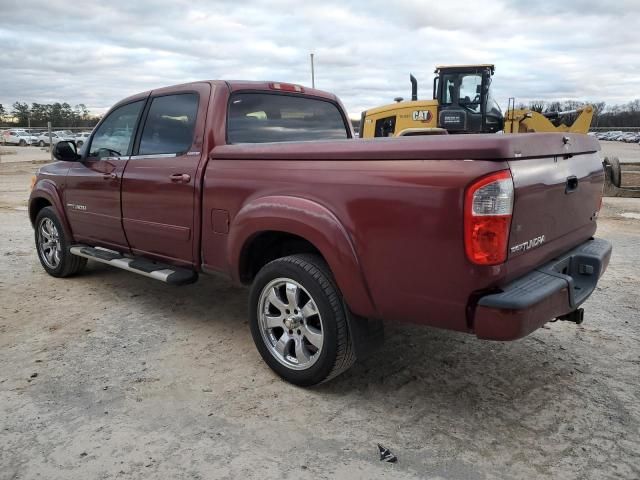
{"points": [[50, 141], [313, 76]]}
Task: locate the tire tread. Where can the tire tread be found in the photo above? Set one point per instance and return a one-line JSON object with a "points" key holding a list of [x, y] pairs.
{"points": [[71, 264], [317, 268]]}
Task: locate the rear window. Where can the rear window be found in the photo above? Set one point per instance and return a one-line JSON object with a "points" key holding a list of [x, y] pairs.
{"points": [[264, 117]]}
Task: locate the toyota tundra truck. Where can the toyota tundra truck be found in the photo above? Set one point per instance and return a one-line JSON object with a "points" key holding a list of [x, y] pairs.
{"points": [[264, 184]]}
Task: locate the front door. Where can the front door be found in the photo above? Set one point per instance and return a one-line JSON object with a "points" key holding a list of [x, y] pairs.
{"points": [[158, 189], [92, 191]]}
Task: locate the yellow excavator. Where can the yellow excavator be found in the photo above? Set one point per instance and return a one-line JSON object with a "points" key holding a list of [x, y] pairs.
{"points": [[463, 103]]}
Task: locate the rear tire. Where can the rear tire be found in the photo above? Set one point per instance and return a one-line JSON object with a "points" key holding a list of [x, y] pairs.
{"points": [[298, 320], [53, 246], [41, 143], [22, 143]]}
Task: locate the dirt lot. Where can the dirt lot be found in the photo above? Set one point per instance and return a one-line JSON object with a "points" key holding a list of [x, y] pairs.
{"points": [[112, 375], [626, 152], [10, 154]]}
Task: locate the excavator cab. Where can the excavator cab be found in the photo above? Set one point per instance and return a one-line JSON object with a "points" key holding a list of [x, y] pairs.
{"points": [[465, 102]]}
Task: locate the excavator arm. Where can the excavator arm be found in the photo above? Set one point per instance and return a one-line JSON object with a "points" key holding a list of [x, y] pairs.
{"points": [[529, 121]]}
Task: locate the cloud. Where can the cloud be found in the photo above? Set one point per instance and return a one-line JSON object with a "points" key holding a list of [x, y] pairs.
{"points": [[99, 52]]}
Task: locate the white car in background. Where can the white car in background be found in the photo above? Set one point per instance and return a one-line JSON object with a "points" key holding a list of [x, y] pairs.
{"points": [[17, 137], [56, 137], [81, 138]]}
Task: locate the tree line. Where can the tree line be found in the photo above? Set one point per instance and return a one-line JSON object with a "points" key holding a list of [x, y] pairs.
{"points": [[624, 115], [38, 114]]}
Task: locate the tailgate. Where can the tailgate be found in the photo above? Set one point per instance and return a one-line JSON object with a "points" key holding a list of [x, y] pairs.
{"points": [[557, 199]]}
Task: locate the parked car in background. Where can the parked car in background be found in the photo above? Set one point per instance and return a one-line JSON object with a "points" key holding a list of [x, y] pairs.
{"points": [[66, 135], [81, 138], [17, 137], [613, 135]]}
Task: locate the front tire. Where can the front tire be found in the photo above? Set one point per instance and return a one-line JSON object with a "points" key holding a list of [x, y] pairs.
{"points": [[298, 320], [41, 143], [53, 246]]}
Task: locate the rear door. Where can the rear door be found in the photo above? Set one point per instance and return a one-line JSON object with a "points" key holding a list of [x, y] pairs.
{"points": [[158, 189]]}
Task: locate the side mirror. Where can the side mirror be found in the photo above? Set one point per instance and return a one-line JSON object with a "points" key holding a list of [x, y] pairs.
{"points": [[66, 151]]}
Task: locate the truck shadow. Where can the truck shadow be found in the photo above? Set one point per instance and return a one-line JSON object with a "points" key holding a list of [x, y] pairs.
{"points": [[415, 366], [430, 371]]}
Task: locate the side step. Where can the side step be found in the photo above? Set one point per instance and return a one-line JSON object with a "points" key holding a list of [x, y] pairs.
{"points": [[142, 266]]}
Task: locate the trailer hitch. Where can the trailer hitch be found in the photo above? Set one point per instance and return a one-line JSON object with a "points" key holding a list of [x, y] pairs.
{"points": [[577, 316]]}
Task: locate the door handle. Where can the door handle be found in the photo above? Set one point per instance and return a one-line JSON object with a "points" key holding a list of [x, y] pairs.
{"points": [[180, 177], [571, 185], [109, 176]]}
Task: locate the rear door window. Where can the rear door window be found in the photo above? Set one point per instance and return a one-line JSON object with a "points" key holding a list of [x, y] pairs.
{"points": [[170, 125], [265, 117]]}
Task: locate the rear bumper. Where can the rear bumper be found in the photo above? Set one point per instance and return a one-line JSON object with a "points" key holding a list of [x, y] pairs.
{"points": [[556, 288]]}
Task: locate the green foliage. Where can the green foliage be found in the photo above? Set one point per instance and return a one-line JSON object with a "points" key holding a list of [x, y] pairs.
{"points": [[21, 112], [59, 114]]}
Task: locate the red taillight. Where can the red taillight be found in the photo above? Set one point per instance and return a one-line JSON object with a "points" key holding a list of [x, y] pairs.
{"points": [[286, 87], [488, 205]]}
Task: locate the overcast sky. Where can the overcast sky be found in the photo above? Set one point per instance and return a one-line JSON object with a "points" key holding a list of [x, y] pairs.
{"points": [[99, 52]]}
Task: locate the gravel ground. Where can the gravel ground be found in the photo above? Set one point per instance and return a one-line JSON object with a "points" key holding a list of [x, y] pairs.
{"points": [[626, 152], [10, 154], [112, 375]]}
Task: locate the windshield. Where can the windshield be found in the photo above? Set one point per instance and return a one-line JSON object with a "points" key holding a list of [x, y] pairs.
{"points": [[463, 89], [267, 117]]}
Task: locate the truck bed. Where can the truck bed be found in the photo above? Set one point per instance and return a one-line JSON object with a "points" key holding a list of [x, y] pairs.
{"points": [[401, 204]]}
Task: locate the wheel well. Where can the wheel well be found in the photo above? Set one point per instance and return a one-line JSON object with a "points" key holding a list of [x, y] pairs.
{"points": [[267, 246], [37, 204]]}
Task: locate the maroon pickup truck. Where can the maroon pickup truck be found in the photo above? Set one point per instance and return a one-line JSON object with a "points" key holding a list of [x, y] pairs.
{"points": [[264, 184]]}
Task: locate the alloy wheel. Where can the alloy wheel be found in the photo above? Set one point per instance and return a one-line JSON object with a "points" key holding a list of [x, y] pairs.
{"points": [[49, 243], [290, 323]]}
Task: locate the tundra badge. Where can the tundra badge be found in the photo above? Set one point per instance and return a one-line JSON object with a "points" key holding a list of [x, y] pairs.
{"points": [[524, 246], [75, 206]]}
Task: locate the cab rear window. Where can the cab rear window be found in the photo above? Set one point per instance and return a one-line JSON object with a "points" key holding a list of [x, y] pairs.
{"points": [[266, 117]]}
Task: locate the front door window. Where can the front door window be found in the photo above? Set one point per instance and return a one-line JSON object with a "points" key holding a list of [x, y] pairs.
{"points": [[114, 136]]}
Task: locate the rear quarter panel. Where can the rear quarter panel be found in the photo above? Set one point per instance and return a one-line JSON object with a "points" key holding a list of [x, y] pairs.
{"points": [[403, 217]]}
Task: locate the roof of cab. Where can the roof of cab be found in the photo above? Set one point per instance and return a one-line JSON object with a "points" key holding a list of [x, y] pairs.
{"points": [[234, 86]]}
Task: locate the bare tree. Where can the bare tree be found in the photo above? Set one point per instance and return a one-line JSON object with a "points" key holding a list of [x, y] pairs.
{"points": [[537, 105]]}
